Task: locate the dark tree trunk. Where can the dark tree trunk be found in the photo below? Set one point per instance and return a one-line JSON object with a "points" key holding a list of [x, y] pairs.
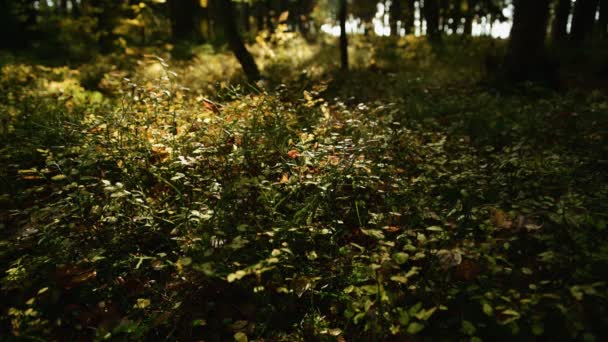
{"points": [[226, 14], [603, 21], [246, 17], [456, 15], [526, 57], [395, 14], [269, 12], [559, 31], [259, 16], [76, 11], [63, 6], [431, 16], [409, 17], [469, 17], [13, 32], [583, 19], [343, 37], [444, 15], [183, 23]]}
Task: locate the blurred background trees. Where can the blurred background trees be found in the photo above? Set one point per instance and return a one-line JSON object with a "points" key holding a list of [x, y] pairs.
{"points": [[75, 30]]}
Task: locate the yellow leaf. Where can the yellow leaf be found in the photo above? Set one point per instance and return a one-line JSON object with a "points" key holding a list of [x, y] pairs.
{"points": [[142, 303], [240, 337], [283, 17]]}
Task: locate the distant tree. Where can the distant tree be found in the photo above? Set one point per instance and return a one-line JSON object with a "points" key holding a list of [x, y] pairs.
{"points": [[225, 13], [583, 19], [409, 17], [431, 16], [602, 25], [342, 10], [395, 14], [469, 16], [183, 14], [526, 57], [559, 31], [364, 10], [12, 27]]}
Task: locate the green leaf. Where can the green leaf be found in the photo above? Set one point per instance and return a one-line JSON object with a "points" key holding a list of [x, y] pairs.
{"points": [[487, 309], [199, 323], [434, 229], [401, 257], [423, 315], [414, 328], [414, 309], [404, 318], [468, 328], [240, 337], [375, 233], [142, 303]]}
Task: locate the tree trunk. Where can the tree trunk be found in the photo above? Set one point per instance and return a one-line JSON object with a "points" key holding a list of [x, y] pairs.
{"points": [[76, 12], [603, 21], [469, 17], [259, 16], [269, 12], [409, 17], [394, 15], [343, 37], [431, 16], [559, 31], [226, 15], [246, 17], [13, 32], [182, 14], [583, 19], [526, 56]]}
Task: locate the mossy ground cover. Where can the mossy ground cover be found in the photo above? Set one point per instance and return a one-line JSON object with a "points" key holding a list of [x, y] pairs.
{"points": [[155, 199]]}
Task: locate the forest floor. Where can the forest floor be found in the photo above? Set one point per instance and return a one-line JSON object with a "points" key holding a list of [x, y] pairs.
{"points": [[151, 198]]}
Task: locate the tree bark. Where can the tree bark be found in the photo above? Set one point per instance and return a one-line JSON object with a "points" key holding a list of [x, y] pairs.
{"points": [[343, 37], [246, 17], [409, 17], [583, 19], [395, 14], [559, 31], [469, 17], [226, 14], [183, 23], [526, 56], [603, 21], [431, 16]]}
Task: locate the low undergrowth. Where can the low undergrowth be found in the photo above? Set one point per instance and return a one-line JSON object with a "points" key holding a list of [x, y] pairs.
{"points": [[446, 213]]}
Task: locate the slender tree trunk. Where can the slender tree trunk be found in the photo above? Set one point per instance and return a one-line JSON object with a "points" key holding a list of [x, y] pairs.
{"points": [[76, 10], [246, 17], [226, 14], [559, 31], [456, 15], [603, 21], [410, 17], [269, 12], [63, 6], [526, 56], [395, 15], [469, 17], [583, 19], [259, 16], [183, 23], [343, 37], [431, 15], [13, 33]]}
